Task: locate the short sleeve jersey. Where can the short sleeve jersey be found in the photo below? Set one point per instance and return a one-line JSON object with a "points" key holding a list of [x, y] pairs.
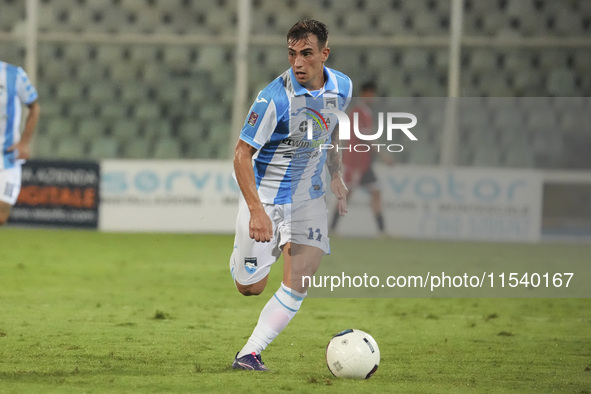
{"points": [[15, 90], [288, 166]]}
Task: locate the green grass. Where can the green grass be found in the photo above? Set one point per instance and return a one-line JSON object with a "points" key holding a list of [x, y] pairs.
{"points": [[91, 312]]}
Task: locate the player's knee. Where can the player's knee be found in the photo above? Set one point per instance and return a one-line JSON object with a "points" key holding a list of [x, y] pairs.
{"points": [[250, 290]]}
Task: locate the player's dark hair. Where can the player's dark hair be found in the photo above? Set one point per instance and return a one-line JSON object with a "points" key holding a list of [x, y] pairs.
{"points": [[304, 27]]}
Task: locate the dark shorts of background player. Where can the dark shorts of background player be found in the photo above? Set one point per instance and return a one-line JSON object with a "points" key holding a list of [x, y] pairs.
{"points": [[368, 178]]}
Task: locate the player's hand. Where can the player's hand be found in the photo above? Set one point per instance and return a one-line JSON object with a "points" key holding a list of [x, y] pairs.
{"points": [[22, 149], [260, 227], [340, 190]]}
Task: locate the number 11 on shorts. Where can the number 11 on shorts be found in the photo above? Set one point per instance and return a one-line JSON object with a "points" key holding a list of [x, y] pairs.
{"points": [[311, 234]]}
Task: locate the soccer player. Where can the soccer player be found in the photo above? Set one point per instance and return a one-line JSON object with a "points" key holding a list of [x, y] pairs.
{"points": [[358, 165], [281, 175], [15, 90]]}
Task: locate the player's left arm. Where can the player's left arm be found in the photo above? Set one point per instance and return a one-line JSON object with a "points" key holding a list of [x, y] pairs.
{"points": [[23, 146], [337, 184]]}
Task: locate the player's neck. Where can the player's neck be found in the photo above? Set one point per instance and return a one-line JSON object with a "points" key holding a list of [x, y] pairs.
{"points": [[317, 84]]}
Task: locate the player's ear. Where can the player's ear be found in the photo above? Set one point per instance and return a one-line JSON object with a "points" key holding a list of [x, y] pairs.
{"points": [[325, 53]]}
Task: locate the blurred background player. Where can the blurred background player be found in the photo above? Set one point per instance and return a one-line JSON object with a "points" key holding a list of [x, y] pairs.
{"points": [[282, 207], [15, 90], [358, 165]]}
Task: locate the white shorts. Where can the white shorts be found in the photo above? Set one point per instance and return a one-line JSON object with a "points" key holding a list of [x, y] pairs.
{"points": [[10, 184], [303, 223]]}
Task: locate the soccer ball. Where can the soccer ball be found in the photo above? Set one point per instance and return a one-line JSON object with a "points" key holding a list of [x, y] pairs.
{"points": [[352, 354]]}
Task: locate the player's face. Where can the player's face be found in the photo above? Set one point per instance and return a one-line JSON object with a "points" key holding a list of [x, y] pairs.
{"points": [[307, 61]]}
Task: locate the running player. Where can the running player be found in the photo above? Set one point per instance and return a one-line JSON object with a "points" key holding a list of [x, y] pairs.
{"points": [[282, 208], [15, 90]]}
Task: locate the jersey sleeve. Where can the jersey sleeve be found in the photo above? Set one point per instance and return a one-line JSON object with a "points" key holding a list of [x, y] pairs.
{"points": [[24, 88], [348, 95], [262, 118]]}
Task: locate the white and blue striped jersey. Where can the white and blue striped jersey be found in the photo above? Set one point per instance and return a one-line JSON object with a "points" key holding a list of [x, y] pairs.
{"points": [[15, 90], [288, 166]]}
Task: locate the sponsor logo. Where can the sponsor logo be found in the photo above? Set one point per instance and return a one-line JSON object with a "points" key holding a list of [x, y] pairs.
{"points": [[252, 118], [250, 264]]}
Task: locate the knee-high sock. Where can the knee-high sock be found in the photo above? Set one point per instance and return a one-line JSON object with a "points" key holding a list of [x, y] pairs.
{"points": [[274, 317]]}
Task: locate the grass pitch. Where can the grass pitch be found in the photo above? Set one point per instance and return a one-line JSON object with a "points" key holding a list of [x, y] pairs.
{"points": [[93, 312]]}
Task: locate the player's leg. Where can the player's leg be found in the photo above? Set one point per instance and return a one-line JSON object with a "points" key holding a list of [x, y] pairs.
{"points": [[376, 207], [300, 262], [307, 229], [10, 186], [251, 261], [370, 181], [250, 265], [4, 212]]}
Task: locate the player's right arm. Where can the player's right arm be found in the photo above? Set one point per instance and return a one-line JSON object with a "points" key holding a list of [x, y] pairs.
{"points": [[260, 227]]}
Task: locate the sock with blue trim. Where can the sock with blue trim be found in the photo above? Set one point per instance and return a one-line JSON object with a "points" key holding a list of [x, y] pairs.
{"points": [[274, 317]]}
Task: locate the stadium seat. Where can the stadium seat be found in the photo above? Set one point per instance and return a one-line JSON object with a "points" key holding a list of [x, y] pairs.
{"points": [[125, 130], [123, 72], [519, 156], [166, 148], [212, 113], [82, 109], [562, 82], [355, 23], [91, 129], [43, 146], [156, 128], [78, 53], [69, 91], [191, 132], [219, 20], [428, 24], [51, 108], [104, 148], [211, 57], [486, 156], [568, 23], [582, 61], [91, 72], [143, 54], [483, 60], [147, 111], [390, 24], [59, 128], [71, 149], [137, 149], [102, 92], [177, 57]]}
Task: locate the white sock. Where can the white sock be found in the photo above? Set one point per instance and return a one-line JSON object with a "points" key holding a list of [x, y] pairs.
{"points": [[274, 317]]}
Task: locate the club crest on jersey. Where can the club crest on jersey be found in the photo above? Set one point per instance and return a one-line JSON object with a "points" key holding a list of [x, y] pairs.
{"points": [[330, 102], [250, 264], [252, 118]]}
